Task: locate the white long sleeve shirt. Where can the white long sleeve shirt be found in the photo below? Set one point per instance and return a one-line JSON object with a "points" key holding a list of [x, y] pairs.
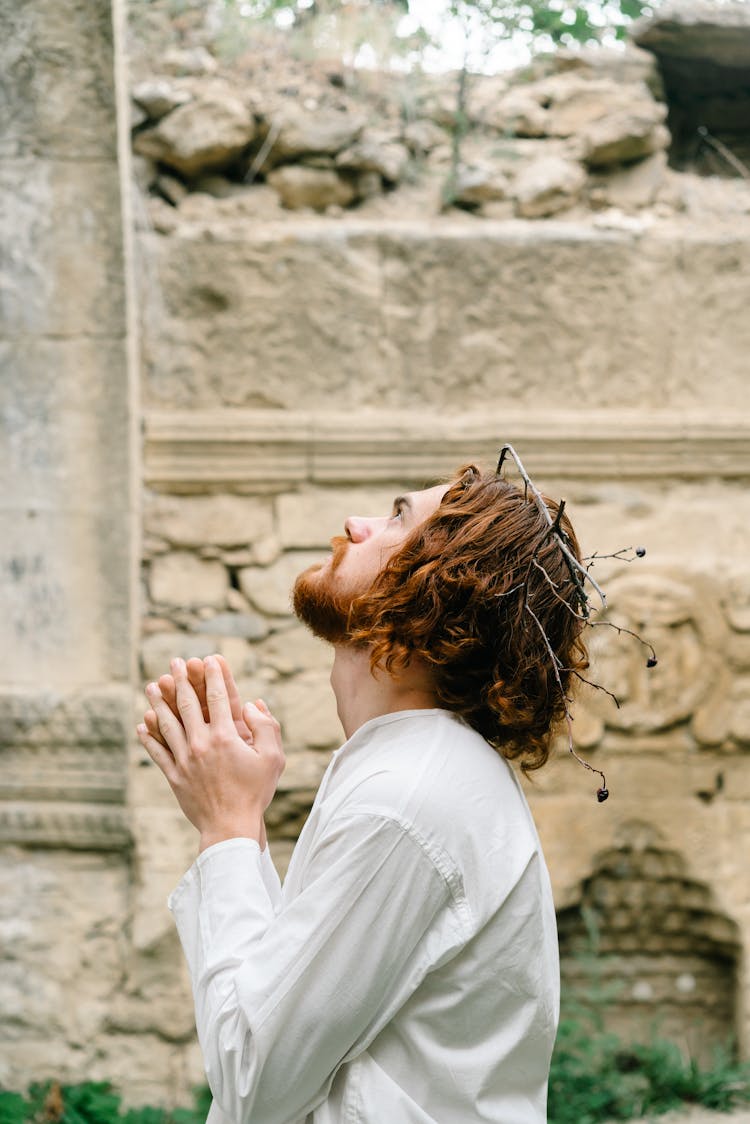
{"points": [[407, 973]]}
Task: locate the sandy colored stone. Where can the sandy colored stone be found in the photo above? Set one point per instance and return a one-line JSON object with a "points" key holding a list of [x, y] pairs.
{"points": [[269, 588], [621, 138], [159, 648], [301, 131], [311, 518], [477, 184], [631, 187], [294, 649], [159, 96], [307, 712], [185, 581], [457, 306], [300, 186], [204, 134], [218, 520], [548, 185], [374, 152]]}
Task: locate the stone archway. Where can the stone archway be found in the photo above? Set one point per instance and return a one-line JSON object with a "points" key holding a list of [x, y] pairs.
{"points": [[648, 948]]}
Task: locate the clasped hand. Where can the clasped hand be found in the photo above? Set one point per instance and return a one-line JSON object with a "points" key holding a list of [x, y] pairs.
{"points": [[222, 760]]}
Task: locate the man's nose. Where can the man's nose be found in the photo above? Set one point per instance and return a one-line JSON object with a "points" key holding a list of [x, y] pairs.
{"points": [[358, 528]]}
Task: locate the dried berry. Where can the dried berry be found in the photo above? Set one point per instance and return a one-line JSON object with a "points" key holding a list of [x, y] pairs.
{"points": [[651, 661], [602, 794], [640, 551]]}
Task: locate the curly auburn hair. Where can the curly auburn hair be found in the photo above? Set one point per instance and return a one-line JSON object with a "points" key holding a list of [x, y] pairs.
{"points": [[456, 594]]}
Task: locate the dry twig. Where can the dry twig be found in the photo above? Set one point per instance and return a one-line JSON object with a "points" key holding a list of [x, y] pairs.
{"points": [[580, 608]]}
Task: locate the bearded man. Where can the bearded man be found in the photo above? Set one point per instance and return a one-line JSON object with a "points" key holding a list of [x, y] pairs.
{"points": [[407, 971]]}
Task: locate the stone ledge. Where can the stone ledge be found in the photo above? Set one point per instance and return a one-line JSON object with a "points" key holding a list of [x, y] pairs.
{"points": [[271, 449], [87, 827]]}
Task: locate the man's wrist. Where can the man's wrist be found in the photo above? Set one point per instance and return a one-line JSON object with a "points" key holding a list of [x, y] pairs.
{"points": [[219, 834]]}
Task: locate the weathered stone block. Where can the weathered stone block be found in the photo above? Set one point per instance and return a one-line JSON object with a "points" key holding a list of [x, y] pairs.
{"points": [[548, 185], [312, 518], [203, 135], [295, 649], [218, 520], [269, 588], [182, 580], [300, 132], [318, 188], [477, 315], [307, 712]]}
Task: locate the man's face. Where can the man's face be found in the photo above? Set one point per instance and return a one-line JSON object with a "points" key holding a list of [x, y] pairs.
{"points": [[323, 594]]}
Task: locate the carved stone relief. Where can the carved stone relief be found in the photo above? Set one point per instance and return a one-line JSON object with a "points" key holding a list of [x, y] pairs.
{"points": [[680, 614]]}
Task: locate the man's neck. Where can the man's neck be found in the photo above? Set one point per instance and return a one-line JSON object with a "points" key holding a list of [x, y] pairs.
{"points": [[360, 695]]}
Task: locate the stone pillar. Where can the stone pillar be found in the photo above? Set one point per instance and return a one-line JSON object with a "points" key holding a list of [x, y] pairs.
{"points": [[67, 542]]}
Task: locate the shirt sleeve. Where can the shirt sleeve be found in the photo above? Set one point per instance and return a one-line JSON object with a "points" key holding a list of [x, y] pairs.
{"points": [[282, 999], [271, 879]]}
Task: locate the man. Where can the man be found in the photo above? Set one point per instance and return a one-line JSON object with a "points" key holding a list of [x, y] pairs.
{"points": [[407, 971]]}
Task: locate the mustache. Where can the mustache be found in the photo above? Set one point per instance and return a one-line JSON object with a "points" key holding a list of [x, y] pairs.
{"points": [[339, 547]]}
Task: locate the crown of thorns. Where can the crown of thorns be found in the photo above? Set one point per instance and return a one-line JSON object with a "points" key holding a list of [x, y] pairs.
{"points": [[579, 604]]}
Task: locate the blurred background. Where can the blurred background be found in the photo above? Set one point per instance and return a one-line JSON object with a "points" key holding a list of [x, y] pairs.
{"points": [[264, 264]]}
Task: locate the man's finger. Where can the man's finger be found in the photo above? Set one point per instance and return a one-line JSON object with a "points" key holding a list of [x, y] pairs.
{"points": [[197, 675], [169, 693], [170, 726], [233, 693], [188, 703], [157, 751], [217, 698], [151, 723]]}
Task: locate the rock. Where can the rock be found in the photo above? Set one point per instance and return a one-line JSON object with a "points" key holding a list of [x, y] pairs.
{"points": [[483, 95], [157, 650], [302, 132], [318, 188], [310, 518], [295, 649], [170, 188], [374, 152], [220, 520], [632, 186], [189, 60], [624, 65], [423, 135], [703, 50], [182, 580], [621, 138], [548, 185], [205, 134], [518, 114], [269, 588], [480, 184], [696, 31], [158, 96], [307, 711], [247, 625], [575, 104]]}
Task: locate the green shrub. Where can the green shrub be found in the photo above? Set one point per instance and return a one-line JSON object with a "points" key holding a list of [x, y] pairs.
{"points": [[596, 1077], [92, 1102]]}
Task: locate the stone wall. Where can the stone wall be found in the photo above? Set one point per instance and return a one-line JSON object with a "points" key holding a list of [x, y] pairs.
{"points": [[614, 362]]}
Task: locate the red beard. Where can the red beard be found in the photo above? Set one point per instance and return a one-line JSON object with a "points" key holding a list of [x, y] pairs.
{"points": [[326, 611]]}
